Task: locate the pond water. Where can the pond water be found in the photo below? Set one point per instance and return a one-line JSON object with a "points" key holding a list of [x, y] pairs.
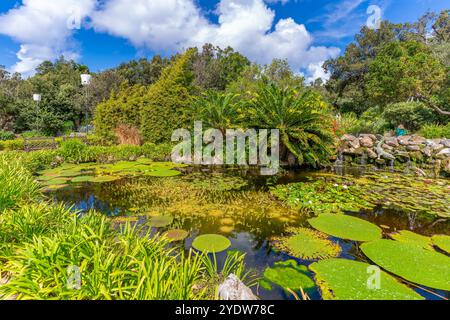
{"points": [[236, 204]]}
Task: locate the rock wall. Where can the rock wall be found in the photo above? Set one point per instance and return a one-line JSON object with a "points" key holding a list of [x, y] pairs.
{"points": [[395, 151]]}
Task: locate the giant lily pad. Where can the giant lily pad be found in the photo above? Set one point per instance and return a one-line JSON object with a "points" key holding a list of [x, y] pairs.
{"points": [[442, 242], [413, 238], [346, 227], [82, 179], [56, 181], [176, 234], [101, 179], [162, 172], [288, 275], [307, 244], [341, 279], [161, 221], [211, 243], [425, 267]]}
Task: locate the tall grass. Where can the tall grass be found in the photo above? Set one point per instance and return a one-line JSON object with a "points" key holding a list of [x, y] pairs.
{"points": [[17, 184], [432, 131]]}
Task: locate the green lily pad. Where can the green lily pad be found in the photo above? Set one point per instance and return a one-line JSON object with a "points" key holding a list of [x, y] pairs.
{"points": [[211, 243], [425, 267], [55, 187], [69, 174], [346, 227], [56, 181], [161, 221], [307, 244], [82, 179], [413, 238], [341, 279], [442, 242], [288, 275], [101, 179], [176, 234]]}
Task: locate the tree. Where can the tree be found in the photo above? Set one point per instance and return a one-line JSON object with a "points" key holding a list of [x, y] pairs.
{"points": [[302, 118], [122, 108], [214, 68], [217, 110], [404, 71], [168, 101], [142, 71]]}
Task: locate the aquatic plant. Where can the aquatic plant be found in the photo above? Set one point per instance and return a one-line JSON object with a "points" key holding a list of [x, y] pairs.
{"points": [[176, 234], [306, 244], [412, 238], [410, 262], [342, 279], [161, 221], [346, 227], [288, 275], [211, 243], [442, 242]]}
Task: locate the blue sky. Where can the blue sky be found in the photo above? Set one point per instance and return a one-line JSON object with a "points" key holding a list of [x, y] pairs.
{"points": [[305, 32]]}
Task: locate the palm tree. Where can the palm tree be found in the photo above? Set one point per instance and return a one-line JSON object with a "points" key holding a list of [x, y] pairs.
{"points": [[218, 110], [302, 119]]}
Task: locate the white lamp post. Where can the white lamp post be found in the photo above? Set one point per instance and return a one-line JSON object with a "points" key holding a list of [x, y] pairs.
{"points": [[85, 82], [37, 98]]}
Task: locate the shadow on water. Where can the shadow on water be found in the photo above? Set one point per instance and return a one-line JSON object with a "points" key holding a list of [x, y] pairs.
{"points": [[252, 232]]}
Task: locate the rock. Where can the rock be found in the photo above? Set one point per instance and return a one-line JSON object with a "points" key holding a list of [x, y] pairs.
{"points": [[446, 143], [391, 141], [387, 147], [233, 289], [354, 144], [446, 165], [372, 154], [366, 142], [427, 151], [416, 140], [444, 153], [371, 136], [404, 140], [413, 148], [348, 137]]}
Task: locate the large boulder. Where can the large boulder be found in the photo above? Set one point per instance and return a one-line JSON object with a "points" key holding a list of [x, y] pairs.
{"points": [[391, 141], [446, 143], [366, 142], [233, 289], [354, 144], [348, 137], [413, 148], [404, 140], [444, 153], [416, 140]]}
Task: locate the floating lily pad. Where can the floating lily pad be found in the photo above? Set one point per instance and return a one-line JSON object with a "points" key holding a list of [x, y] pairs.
{"points": [[226, 229], [101, 179], [82, 179], [413, 238], [161, 221], [69, 174], [211, 243], [56, 187], [425, 267], [307, 244], [176, 234], [288, 275], [56, 181], [442, 242], [346, 227], [341, 279]]}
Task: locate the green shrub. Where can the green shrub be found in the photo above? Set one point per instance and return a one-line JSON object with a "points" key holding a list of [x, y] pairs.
{"points": [[432, 131], [17, 183], [76, 151], [412, 115], [32, 134], [168, 102], [11, 145], [121, 108], [371, 121], [7, 135]]}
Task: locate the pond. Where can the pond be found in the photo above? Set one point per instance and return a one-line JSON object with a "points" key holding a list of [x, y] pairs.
{"points": [[237, 204]]}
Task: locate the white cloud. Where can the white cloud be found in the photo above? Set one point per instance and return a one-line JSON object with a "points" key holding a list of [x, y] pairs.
{"points": [[246, 25], [166, 26], [41, 26], [315, 71]]}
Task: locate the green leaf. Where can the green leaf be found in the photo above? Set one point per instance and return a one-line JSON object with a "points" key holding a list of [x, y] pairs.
{"points": [[425, 267], [341, 279], [211, 243]]}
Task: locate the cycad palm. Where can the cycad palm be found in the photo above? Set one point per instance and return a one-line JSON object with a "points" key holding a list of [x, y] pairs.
{"points": [[217, 110], [305, 126]]}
